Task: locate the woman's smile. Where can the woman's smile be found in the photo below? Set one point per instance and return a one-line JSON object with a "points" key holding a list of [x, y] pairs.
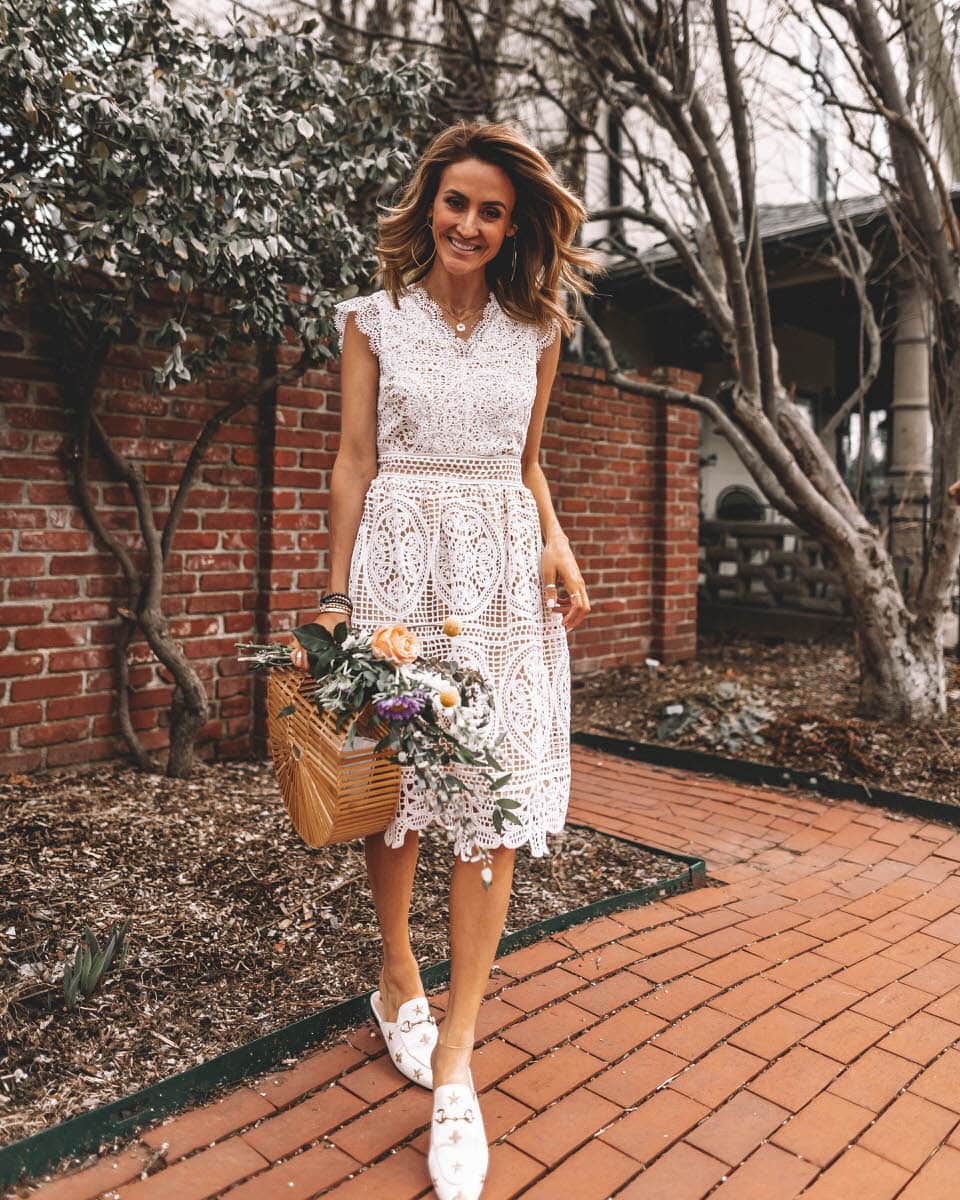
{"points": [[462, 247]]}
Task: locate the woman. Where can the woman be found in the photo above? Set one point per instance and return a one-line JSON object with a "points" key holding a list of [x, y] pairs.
{"points": [[438, 509]]}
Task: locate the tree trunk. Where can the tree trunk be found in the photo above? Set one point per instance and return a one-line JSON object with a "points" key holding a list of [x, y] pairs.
{"points": [[189, 710], [190, 707], [902, 675]]}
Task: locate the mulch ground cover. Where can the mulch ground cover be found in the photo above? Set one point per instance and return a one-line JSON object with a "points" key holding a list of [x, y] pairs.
{"points": [[789, 703], [237, 927]]}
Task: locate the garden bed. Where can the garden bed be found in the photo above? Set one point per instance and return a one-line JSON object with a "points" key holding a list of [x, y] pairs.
{"points": [[237, 927], [792, 704]]}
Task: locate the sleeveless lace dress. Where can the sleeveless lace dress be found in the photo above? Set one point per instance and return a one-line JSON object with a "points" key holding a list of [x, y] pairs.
{"points": [[450, 529]]}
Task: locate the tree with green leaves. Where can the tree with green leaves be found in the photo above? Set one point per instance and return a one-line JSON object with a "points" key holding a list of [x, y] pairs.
{"points": [[226, 181]]}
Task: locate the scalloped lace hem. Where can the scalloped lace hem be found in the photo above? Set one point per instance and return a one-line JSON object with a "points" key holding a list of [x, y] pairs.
{"points": [[513, 837]]}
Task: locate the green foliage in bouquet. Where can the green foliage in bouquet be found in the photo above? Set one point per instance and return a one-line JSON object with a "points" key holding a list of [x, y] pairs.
{"points": [[368, 679], [439, 715]]}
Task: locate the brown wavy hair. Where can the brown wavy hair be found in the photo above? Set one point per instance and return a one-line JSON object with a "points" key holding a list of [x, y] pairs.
{"points": [[547, 215]]}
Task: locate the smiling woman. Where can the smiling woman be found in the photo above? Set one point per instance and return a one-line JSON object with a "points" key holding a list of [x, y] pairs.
{"points": [[470, 220], [439, 508], [483, 208]]}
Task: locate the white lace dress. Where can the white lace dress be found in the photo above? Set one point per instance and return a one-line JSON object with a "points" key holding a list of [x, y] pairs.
{"points": [[450, 529]]}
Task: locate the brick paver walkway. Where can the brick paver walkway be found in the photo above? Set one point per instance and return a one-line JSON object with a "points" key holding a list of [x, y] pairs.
{"points": [[789, 1033]]}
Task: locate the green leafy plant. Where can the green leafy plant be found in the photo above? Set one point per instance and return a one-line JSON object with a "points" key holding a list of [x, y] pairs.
{"points": [[678, 716], [726, 717], [92, 961], [740, 717], [144, 160], [188, 207]]}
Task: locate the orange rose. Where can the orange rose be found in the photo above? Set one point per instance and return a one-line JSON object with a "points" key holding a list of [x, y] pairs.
{"points": [[395, 643]]}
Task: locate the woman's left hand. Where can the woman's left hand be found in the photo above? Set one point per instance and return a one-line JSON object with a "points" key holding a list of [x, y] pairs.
{"points": [[558, 564]]}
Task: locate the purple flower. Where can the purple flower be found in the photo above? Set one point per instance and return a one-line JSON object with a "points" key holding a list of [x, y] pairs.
{"points": [[401, 708]]}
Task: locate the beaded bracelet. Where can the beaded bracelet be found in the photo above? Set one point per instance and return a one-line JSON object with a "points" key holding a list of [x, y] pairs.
{"points": [[342, 597]]}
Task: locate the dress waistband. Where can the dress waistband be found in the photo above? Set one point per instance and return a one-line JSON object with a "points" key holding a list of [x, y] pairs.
{"points": [[504, 467]]}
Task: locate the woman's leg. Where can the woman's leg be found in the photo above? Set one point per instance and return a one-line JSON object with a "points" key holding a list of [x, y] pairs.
{"points": [[391, 871], [477, 915]]}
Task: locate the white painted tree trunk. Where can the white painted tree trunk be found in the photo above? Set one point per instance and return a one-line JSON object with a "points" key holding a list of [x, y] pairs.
{"points": [[902, 672]]}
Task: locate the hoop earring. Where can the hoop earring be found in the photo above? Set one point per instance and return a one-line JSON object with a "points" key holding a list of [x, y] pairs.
{"points": [[513, 269], [421, 265]]}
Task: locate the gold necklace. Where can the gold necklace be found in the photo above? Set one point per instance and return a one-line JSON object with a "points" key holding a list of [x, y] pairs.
{"points": [[458, 317]]}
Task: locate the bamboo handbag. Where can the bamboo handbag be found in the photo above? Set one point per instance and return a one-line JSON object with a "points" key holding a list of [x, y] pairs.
{"points": [[331, 794]]}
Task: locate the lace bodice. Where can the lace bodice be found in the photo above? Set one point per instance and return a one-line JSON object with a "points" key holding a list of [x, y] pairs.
{"points": [[439, 393]]}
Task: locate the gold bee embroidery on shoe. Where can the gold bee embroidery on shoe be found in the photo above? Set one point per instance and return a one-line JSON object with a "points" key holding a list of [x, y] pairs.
{"points": [[417, 1073], [455, 1136], [424, 1040]]}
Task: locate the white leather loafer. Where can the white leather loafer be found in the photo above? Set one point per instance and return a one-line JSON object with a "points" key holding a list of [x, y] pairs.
{"points": [[458, 1155], [410, 1039]]}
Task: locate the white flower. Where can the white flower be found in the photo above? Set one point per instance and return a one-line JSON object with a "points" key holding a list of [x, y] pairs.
{"points": [[486, 875], [431, 679]]}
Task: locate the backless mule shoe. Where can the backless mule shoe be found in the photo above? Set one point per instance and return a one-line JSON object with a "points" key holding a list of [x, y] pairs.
{"points": [[458, 1155], [410, 1039]]}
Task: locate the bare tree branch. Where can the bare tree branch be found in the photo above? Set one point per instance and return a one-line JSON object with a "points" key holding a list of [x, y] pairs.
{"points": [[853, 261]]}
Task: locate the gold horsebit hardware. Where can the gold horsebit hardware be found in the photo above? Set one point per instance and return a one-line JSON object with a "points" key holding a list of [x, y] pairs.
{"points": [[406, 1025], [440, 1116]]}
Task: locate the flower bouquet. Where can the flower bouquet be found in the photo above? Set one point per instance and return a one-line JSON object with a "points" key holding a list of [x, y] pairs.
{"points": [[427, 713]]}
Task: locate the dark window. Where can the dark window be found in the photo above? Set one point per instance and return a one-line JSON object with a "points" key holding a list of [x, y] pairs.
{"points": [[614, 174], [739, 504], [820, 147]]}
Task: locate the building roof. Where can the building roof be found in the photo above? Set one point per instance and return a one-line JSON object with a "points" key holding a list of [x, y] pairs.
{"points": [[778, 223]]}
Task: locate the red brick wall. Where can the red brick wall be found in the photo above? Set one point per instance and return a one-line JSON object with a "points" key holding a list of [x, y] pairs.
{"points": [[247, 561], [624, 474], [676, 520]]}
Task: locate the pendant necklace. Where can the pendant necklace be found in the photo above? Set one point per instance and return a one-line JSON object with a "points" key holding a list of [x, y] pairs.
{"points": [[460, 325]]}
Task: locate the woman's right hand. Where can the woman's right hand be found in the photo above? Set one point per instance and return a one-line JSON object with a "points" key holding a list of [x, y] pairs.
{"points": [[329, 621]]}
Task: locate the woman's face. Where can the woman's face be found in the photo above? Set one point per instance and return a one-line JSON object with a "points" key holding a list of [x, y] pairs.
{"points": [[471, 215]]}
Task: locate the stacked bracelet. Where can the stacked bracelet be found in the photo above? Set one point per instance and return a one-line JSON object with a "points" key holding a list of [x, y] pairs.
{"points": [[336, 602]]}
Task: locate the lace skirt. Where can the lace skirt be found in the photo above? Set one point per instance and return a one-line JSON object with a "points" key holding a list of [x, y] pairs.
{"points": [[442, 536]]}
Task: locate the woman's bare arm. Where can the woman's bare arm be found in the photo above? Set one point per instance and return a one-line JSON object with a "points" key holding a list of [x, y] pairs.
{"points": [[557, 560], [356, 461], [353, 468], [533, 475]]}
